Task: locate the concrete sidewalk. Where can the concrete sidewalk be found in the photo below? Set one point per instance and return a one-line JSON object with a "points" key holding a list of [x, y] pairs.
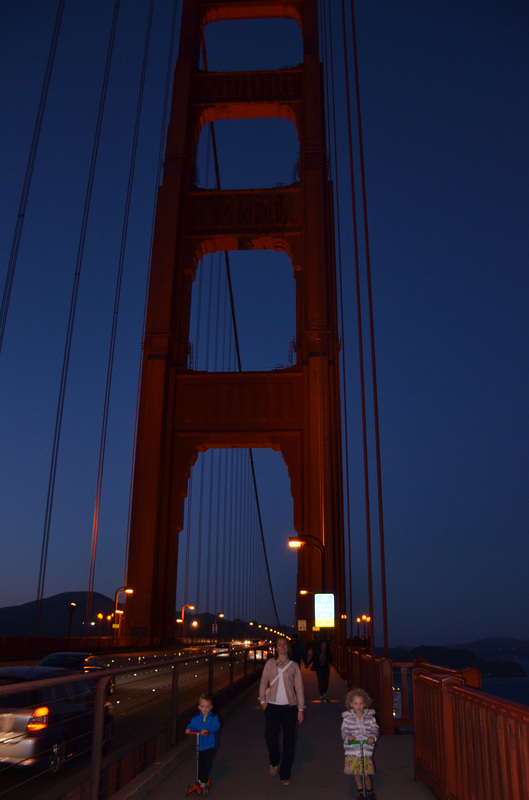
{"points": [[241, 764]]}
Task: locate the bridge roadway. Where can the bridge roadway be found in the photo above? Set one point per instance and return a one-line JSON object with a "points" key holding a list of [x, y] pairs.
{"points": [[241, 764]]}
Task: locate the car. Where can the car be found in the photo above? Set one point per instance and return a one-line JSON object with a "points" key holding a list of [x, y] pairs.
{"points": [[80, 662], [222, 649], [46, 726], [255, 654]]}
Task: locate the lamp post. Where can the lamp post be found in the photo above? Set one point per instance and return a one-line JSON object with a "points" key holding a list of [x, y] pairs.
{"points": [[191, 608], [119, 590], [219, 615], [73, 606], [99, 621], [301, 541]]}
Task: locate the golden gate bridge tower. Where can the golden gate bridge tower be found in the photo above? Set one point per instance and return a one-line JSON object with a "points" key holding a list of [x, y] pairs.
{"points": [[295, 410]]}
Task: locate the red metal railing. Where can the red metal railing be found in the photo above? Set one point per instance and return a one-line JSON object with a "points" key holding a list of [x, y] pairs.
{"points": [[386, 681], [469, 745], [390, 683]]}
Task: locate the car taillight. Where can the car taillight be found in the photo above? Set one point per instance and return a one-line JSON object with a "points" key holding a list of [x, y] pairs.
{"points": [[39, 719]]}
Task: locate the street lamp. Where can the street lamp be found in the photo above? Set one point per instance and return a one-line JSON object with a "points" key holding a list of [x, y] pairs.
{"points": [[73, 606], [182, 619], [119, 590], [301, 541], [99, 621], [220, 615]]}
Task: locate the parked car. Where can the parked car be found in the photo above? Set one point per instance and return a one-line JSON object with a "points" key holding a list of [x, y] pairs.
{"points": [[46, 726], [80, 662]]}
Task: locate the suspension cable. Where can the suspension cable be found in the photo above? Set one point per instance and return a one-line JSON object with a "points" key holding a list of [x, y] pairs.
{"points": [[70, 327], [113, 334], [359, 329], [163, 129], [337, 172], [29, 173], [372, 340]]}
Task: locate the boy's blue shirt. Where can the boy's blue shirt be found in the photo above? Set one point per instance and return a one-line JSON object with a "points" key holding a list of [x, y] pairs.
{"points": [[211, 724]]}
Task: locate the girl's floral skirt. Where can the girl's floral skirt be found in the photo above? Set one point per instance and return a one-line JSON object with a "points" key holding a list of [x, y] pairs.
{"points": [[353, 765]]}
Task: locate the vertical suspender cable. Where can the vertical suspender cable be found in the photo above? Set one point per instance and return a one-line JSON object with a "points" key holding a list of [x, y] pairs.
{"points": [[29, 173], [69, 333], [163, 127], [331, 83], [372, 341], [113, 333], [360, 333]]}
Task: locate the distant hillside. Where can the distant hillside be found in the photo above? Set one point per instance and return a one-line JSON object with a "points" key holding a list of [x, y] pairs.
{"points": [[498, 648], [55, 616], [495, 656]]}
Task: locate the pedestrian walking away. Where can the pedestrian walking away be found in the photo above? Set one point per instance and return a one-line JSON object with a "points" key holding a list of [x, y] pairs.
{"points": [[299, 652], [321, 663]]}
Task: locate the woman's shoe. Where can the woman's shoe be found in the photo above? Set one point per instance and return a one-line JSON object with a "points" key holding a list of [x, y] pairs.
{"points": [[273, 771], [286, 783]]}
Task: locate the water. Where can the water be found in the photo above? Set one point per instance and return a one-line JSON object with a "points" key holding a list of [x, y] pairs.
{"points": [[515, 689]]}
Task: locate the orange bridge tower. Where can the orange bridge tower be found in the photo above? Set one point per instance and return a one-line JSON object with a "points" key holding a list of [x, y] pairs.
{"points": [[296, 410]]}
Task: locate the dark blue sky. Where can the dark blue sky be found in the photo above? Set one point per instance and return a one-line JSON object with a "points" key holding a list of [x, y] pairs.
{"points": [[444, 91]]}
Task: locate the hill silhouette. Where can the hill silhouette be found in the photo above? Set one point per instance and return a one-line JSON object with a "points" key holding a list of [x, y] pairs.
{"points": [[55, 615]]}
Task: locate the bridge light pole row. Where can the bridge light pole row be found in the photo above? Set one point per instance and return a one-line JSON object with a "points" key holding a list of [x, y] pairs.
{"points": [[118, 614], [301, 541]]}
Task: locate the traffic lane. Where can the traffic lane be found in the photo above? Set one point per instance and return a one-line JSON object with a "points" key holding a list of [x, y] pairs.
{"points": [[141, 707]]}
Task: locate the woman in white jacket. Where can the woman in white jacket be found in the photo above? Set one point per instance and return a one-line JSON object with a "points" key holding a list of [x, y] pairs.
{"points": [[359, 725], [283, 700]]}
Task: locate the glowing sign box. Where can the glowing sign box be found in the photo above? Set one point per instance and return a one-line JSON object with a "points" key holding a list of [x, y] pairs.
{"points": [[324, 610]]}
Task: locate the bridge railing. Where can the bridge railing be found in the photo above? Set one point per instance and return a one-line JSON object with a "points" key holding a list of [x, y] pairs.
{"points": [[225, 676], [469, 745], [390, 683]]}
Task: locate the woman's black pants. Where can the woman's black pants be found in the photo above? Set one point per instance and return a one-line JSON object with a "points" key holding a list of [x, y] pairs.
{"points": [[281, 719]]}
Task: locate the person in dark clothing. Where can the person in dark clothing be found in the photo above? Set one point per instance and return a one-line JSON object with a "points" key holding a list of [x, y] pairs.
{"points": [[299, 652], [321, 663]]}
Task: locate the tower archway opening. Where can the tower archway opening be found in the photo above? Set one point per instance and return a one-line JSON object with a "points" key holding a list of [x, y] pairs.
{"points": [[264, 152], [265, 311]]}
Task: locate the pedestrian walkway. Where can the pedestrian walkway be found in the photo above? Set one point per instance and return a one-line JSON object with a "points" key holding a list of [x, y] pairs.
{"points": [[241, 764]]}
